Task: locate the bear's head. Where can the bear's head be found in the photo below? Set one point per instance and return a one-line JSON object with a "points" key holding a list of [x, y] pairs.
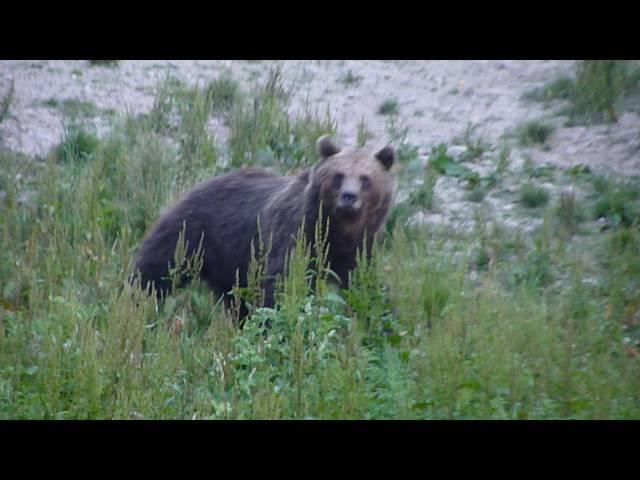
{"points": [[354, 186]]}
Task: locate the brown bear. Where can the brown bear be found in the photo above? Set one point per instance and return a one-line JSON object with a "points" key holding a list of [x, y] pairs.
{"points": [[354, 187]]}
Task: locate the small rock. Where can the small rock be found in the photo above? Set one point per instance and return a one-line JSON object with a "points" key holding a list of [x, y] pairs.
{"points": [[415, 166], [456, 151]]}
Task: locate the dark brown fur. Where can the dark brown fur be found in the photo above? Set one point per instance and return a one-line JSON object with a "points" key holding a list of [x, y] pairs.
{"points": [[225, 211]]}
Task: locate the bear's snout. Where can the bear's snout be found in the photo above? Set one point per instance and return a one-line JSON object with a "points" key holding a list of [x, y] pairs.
{"points": [[348, 204], [347, 199]]}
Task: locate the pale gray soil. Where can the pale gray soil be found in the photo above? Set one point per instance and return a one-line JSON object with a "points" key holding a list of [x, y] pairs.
{"points": [[437, 99]]}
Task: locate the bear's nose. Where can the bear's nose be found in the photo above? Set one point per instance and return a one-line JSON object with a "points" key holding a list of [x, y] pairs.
{"points": [[347, 199]]}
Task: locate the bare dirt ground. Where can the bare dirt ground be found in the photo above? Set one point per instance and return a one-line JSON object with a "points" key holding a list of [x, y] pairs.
{"points": [[437, 100]]}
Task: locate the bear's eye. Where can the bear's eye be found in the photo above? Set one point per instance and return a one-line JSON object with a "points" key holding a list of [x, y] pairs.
{"points": [[365, 181], [337, 180]]}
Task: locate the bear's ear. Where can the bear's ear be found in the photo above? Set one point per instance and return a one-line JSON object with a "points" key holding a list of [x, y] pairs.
{"points": [[326, 147], [386, 156]]}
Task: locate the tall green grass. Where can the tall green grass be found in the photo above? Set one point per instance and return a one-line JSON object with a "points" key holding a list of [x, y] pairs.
{"points": [[265, 132], [600, 89]]}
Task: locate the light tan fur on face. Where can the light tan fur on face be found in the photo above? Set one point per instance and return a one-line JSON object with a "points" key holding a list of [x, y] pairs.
{"points": [[354, 163], [370, 208], [373, 203]]}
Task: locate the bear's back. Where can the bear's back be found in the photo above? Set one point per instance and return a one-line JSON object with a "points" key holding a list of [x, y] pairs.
{"points": [[226, 210]]}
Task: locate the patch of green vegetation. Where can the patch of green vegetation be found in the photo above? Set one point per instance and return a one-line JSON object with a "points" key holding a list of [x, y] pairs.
{"points": [[475, 145], [533, 132], [7, 101], [534, 171], [617, 200], [444, 164], [578, 171], [77, 144], [104, 63], [349, 79], [599, 83], [223, 92], [494, 244], [562, 88], [263, 132], [423, 197], [363, 134], [79, 108], [476, 194], [600, 88], [569, 213], [532, 196], [502, 160], [388, 107]]}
